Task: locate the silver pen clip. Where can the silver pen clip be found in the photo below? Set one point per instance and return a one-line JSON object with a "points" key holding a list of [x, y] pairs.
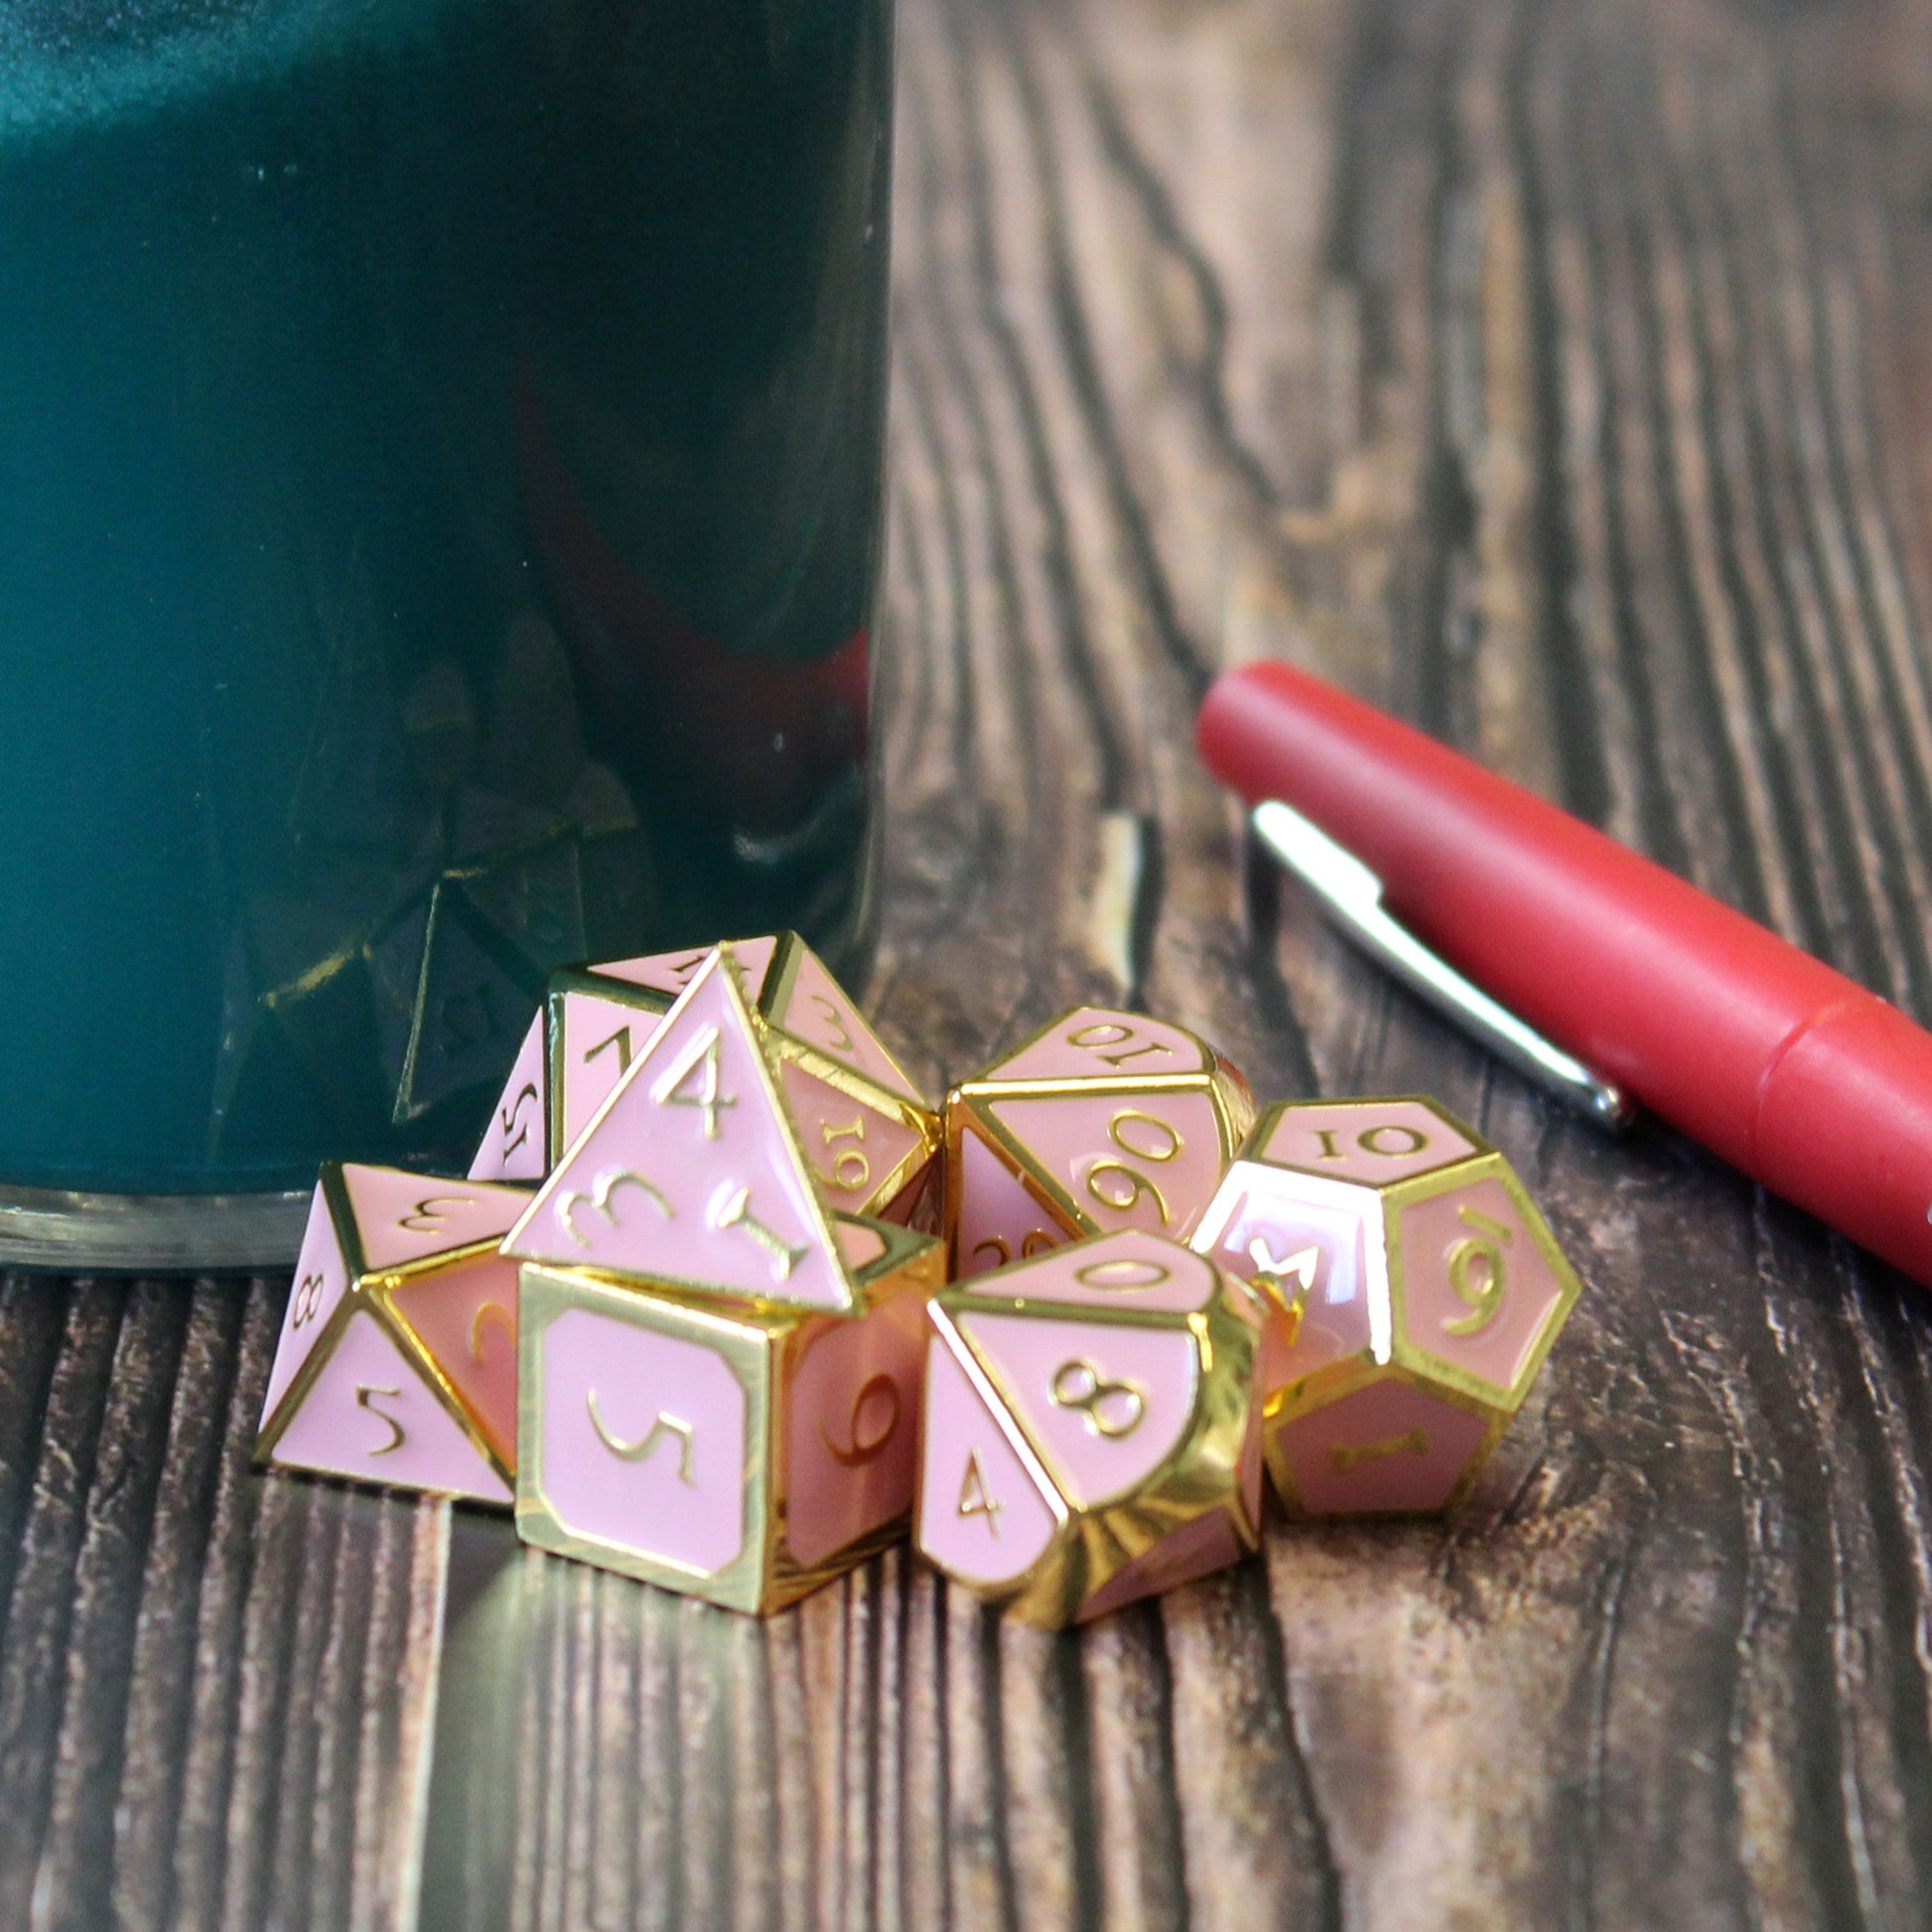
{"points": [[1352, 895]]}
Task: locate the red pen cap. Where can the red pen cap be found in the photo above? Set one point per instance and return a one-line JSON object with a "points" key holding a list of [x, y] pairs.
{"points": [[1766, 1056]]}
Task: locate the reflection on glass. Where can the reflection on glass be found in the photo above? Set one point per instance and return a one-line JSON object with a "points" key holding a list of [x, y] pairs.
{"points": [[439, 509]]}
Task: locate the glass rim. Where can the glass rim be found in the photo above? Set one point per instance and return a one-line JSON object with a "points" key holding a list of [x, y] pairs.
{"points": [[57, 1230]]}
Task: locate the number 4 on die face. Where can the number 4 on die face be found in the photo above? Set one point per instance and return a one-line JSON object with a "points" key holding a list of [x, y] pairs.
{"points": [[1090, 1434]]}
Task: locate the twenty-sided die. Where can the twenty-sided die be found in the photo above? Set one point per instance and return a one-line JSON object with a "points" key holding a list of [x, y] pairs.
{"points": [[867, 1135]]}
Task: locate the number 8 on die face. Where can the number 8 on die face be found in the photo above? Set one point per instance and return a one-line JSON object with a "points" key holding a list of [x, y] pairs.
{"points": [[1089, 1433]]}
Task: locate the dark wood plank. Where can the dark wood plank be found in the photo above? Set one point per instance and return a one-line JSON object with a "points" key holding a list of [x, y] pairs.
{"points": [[217, 1689]]}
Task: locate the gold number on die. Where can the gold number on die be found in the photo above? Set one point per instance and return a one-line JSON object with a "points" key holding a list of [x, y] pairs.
{"points": [[851, 1170], [1476, 1271], [664, 1424], [1349, 1456], [843, 1043], [511, 1116], [1035, 1241], [702, 1058], [429, 1215], [1110, 1409], [306, 1302], [1146, 1138], [620, 1040], [1108, 1032], [492, 1315], [735, 1212], [366, 1395], [598, 1200], [1122, 1274], [974, 1499], [859, 1450]]}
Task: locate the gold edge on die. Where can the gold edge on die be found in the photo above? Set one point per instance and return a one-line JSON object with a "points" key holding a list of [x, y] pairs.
{"points": [[332, 1184], [548, 1292], [274, 1426], [378, 1291], [1004, 1151], [1012, 1154], [1407, 1353], [1049, 1574], [917, 1119]]}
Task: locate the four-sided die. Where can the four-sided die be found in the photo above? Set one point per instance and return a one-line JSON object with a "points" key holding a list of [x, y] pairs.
{"points": [[1100, 1121], [398, 1358], [1418, 1290], [869, 1137], [1091, 1433], [719, 1373]]}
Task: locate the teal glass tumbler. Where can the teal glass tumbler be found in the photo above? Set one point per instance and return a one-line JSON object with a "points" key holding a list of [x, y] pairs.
{"points": [[441, 453]]}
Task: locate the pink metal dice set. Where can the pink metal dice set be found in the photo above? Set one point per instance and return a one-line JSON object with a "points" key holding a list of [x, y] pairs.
{"points": [[689, 1313]]}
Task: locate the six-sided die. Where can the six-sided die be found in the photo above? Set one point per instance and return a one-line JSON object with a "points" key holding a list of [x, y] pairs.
{"points": [[738, 1452]]}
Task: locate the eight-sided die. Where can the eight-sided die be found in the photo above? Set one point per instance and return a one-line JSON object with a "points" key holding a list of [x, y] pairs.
{"points": [[398, 1358]]}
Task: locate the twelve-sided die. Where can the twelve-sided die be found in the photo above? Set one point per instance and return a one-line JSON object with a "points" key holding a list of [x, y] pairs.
{"points": [[1417, 1290]]}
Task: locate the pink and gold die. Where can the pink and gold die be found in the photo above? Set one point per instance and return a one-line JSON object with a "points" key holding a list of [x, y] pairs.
{"points": [[1417, 1292], [720, 1374], [398, 1358], [1101, 1121], [1090, 1429]]}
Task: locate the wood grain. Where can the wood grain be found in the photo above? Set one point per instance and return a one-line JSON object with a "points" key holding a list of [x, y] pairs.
{"points": [[215, 1690], [1553, 373], [1557, 372]]}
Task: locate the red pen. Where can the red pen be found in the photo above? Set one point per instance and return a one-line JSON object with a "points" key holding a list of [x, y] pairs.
{"points": [[1804, 1079]]}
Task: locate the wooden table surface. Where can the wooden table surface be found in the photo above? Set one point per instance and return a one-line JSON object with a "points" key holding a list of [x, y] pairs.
{"points": [[1557, 372]]}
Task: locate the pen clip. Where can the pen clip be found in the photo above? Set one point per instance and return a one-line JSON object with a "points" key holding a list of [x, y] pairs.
{"points": [[1352, 895]]}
